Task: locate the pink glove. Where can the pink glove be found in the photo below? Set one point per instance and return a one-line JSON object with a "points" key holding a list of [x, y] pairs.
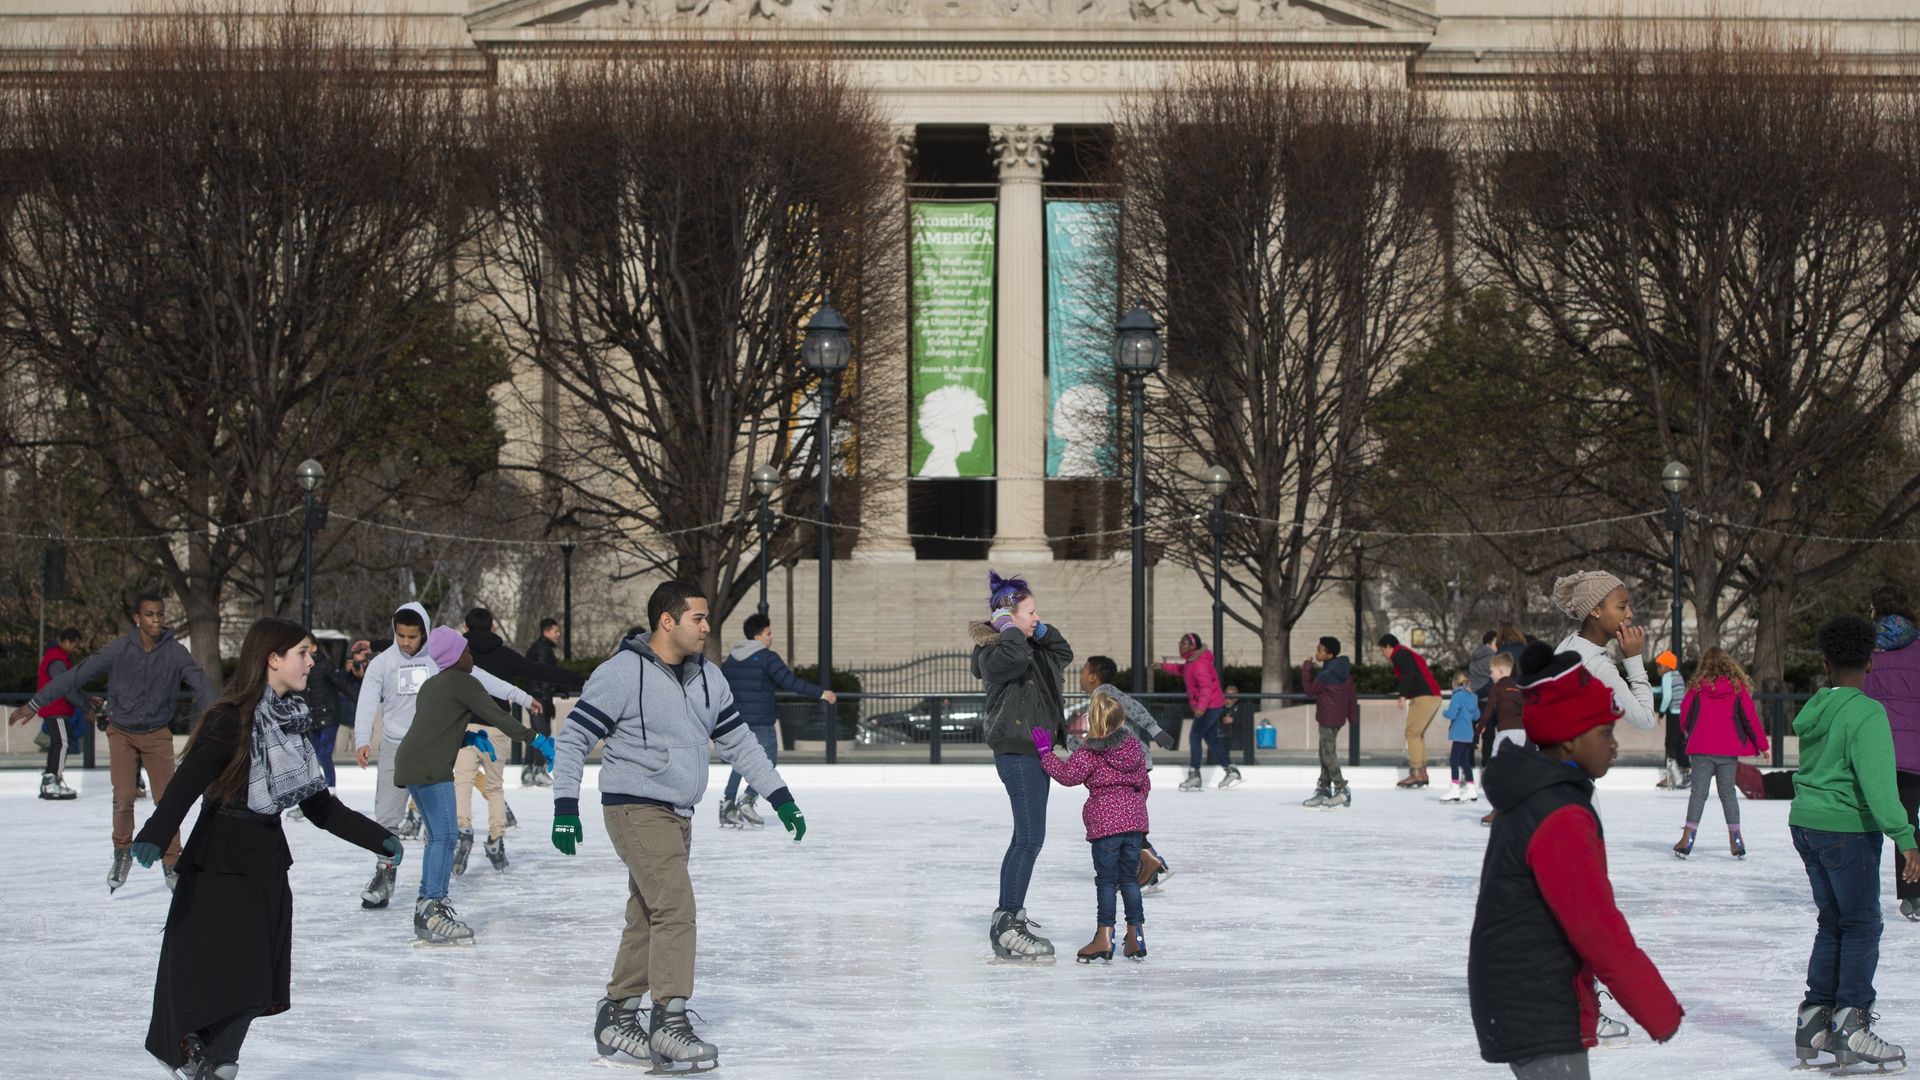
{"points": [[1042, 741], [1002, 619]]}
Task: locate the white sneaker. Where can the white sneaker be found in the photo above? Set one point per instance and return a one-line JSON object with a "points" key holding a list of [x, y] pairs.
{"points": [[1453, 793]]}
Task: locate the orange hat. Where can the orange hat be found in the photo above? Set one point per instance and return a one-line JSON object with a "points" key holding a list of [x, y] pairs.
{"points": [[1667, 660]]}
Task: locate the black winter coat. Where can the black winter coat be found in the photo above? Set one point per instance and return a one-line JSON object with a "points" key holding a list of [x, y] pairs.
{"points": [[229, 937], [496, 657], [1023, 682]]}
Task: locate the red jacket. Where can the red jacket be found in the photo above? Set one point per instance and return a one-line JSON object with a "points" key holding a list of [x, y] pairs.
{"points": [[1720, 721], [1202, 679], [60, 706]]}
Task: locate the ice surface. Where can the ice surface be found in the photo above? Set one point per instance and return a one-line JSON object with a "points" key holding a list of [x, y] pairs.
{"points": [[1289, 943]]}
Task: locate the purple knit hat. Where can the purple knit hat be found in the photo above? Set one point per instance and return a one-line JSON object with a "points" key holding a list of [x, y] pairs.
{"points": [[1001, 591], [444, 647]]}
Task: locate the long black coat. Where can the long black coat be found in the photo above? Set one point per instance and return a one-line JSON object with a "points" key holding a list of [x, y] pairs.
{"points": [[229, 937]]}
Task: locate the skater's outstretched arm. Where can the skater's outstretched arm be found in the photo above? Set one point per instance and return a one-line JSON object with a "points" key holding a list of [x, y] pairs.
{"points": [[741, 750], [1569, 863], [74, 678], [195, 676], [504, 690], [784, 678], [336, 817]]}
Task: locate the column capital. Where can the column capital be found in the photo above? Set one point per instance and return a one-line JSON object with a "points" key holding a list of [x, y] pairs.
{"points": [[1021, 150]]}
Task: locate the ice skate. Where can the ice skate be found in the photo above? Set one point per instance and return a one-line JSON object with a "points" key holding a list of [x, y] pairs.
{"points": [[1136, 947], [1813, 1036], [1415, 778], [1341, 797], [1686, 780], [410, 825], [122, 864], [543, 775], [434, 924], [140, 792], [1734, 843], [1013, 939], [1473, 793], [199, 1068], [52, 788], [1612, 1033], [462, 847], [747, 815], [380, 890], [1192, 782], [1854, 1042], [172, 877], [527, 772], [1231, 778], [1319, 799], [1100, 948], [512, 822], [1669, 776], [1150, 867], [1684, 846], [497, 853], [1911, 909], [1488, 819], [730, 814], [620, 1032], [674, 1047], [1453, 792]]}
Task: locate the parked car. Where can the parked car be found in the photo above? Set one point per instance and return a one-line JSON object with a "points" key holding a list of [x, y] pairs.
{"points": [[960, 722]]}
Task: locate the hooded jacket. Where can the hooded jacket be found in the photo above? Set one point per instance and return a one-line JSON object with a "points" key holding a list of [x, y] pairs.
{"points": [[1023, 683], [1335, 699], [657, 722], [1546, 925], [1720, 720], [1845, 782], [1114, 768], [1463, 715], [391, 687], [1895, 683], [1202, 679], [755, 673], [142, 684]]}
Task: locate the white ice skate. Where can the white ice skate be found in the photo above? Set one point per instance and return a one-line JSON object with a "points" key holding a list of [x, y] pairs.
{"points": [[1612, 1033], [674, 1047], [1192, 782], [1854, 1042], [748, 815], [380, 890], [1453, 792], [1230, 778], [1473, 793], [122, 865], [1340, 799], [1319, 799]]}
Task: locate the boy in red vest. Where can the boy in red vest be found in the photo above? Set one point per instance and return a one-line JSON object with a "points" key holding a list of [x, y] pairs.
{"points": [[1546, 925], [57, 716]]}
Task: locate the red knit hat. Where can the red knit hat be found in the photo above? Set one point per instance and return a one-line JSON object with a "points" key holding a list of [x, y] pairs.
{"points": [[1561, 700]]}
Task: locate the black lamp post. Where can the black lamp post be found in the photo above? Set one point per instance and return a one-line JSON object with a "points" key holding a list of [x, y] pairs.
{"points": [[311, 473], [1136, 354], [1675, 478], [826, 350], [1217, 481], [568, 528], [765, 480]]}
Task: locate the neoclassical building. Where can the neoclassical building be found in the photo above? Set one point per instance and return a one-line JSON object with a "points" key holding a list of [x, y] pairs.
{"points": [[997, 104]]}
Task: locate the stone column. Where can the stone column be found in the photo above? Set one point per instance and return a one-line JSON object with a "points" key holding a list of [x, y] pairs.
{"points": [[1020, 382], [886, 392]]}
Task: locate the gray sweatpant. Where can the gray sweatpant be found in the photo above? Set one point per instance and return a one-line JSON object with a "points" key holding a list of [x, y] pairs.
{"points": [[1553, 1067], [389, 802], [1712, 768]]}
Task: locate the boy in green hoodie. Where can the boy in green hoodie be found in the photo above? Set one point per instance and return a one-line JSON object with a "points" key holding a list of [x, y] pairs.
{"points": [[1845, 798]]}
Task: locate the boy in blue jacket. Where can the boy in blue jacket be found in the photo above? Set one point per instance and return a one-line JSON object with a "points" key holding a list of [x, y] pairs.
{"points": [[657, 703], [755, 673]]}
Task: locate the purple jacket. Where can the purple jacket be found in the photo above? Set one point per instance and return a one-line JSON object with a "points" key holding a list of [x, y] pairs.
{"points": [[1115, 772], [1895, 683]]}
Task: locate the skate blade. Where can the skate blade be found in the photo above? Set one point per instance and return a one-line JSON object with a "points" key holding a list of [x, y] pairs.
{"points": [[461, 943], [1618, 1042], [682, 1068], [1018, 961], [619, 1061], [1862, 1068]]}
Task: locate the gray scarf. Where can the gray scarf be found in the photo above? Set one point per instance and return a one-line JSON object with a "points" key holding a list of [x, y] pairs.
{"points": [[285, 769]]}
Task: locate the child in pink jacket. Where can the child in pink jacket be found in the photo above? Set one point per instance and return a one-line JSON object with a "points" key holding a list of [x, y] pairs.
{"points": [[1721, 726], [1113, 766], [1197, 669]]}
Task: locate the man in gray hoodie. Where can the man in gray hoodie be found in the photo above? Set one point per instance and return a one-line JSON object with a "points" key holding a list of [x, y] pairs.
{"points": [[145, 671], [658, 703]]}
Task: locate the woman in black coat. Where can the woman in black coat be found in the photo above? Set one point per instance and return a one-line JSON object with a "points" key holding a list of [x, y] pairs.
{"points": [[226, 959]]}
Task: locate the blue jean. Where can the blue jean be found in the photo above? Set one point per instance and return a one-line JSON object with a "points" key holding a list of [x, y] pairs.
{"points": [[1844, 870], [1460, 760], [1116, 868], [1207, 726], [1026, 783], [764, 735], [323, 747], [436, 813]]}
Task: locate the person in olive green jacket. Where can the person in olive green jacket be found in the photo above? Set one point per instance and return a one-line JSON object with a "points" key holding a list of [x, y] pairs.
{"points": [[447, 703], [1844, 799]]}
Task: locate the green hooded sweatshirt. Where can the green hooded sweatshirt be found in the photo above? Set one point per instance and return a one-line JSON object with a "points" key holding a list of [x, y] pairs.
{"points": [[1845, 782]]}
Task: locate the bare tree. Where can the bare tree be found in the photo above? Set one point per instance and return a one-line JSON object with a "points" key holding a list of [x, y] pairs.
{"points": [[1718, 226], [1289, 230], [227, 233], [667, 222]]}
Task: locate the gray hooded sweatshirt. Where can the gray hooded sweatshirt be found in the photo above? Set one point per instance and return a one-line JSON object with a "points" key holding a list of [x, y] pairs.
{"points": [[141, 683], [392, 687], [657, 722]]}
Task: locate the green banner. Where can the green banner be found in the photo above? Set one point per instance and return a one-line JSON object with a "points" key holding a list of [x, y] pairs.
{"points": [[1081, 288], [952, 377]]}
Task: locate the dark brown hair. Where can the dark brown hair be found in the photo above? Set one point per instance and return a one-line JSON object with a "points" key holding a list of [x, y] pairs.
{"points": [[265, 638], [1892, 600]]}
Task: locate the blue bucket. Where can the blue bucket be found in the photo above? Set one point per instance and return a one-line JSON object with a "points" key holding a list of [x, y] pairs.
{"points": [[1264, 737]]}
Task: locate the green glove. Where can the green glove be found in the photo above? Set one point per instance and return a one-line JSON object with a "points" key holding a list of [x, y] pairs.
{"points": [[567, 832], [394, 851], [793, 819]]}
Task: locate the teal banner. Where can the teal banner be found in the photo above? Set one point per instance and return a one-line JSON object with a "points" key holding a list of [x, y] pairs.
{"points": [[1081, 291]]}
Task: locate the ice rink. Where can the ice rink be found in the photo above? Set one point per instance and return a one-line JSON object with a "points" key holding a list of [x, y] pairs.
{"points": [[1289, 942]]}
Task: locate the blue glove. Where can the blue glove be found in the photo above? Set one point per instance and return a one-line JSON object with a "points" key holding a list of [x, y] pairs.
{"points": [[1039, 631], [145, 854], [544, 744], [479, 741], [394, 851]]}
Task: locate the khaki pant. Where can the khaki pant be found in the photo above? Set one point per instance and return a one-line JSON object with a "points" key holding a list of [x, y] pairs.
{"points": [[128, 751], [471, 762], [1420, 713], [656, 949]]}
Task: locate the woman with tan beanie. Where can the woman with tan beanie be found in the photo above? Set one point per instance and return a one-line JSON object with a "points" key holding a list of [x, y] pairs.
{"points": [[1599, 602]]}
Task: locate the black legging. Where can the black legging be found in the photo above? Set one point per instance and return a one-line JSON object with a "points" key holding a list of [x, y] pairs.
{"points": [[223, 1037], [57, 745], [1677, 741]]}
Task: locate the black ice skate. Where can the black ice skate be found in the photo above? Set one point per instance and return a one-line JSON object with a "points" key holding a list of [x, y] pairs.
{"points": [[380, 890], [1321, 796], [1013, 938], [1813, 1036], [1231, 777], [620, 1032], [462, 847], [747, 815], [497, 853], [512, 822], [434, 924], [1855, 1043], [410, 825], [674, 1047], [122, 863], [1340, 798]]}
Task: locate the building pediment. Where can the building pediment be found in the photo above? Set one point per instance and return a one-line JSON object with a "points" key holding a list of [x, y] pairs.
{"points": [[1314, 18]]}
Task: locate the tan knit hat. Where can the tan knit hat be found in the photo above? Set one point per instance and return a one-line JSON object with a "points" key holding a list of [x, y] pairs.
{"points": [[1578, 594]]}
